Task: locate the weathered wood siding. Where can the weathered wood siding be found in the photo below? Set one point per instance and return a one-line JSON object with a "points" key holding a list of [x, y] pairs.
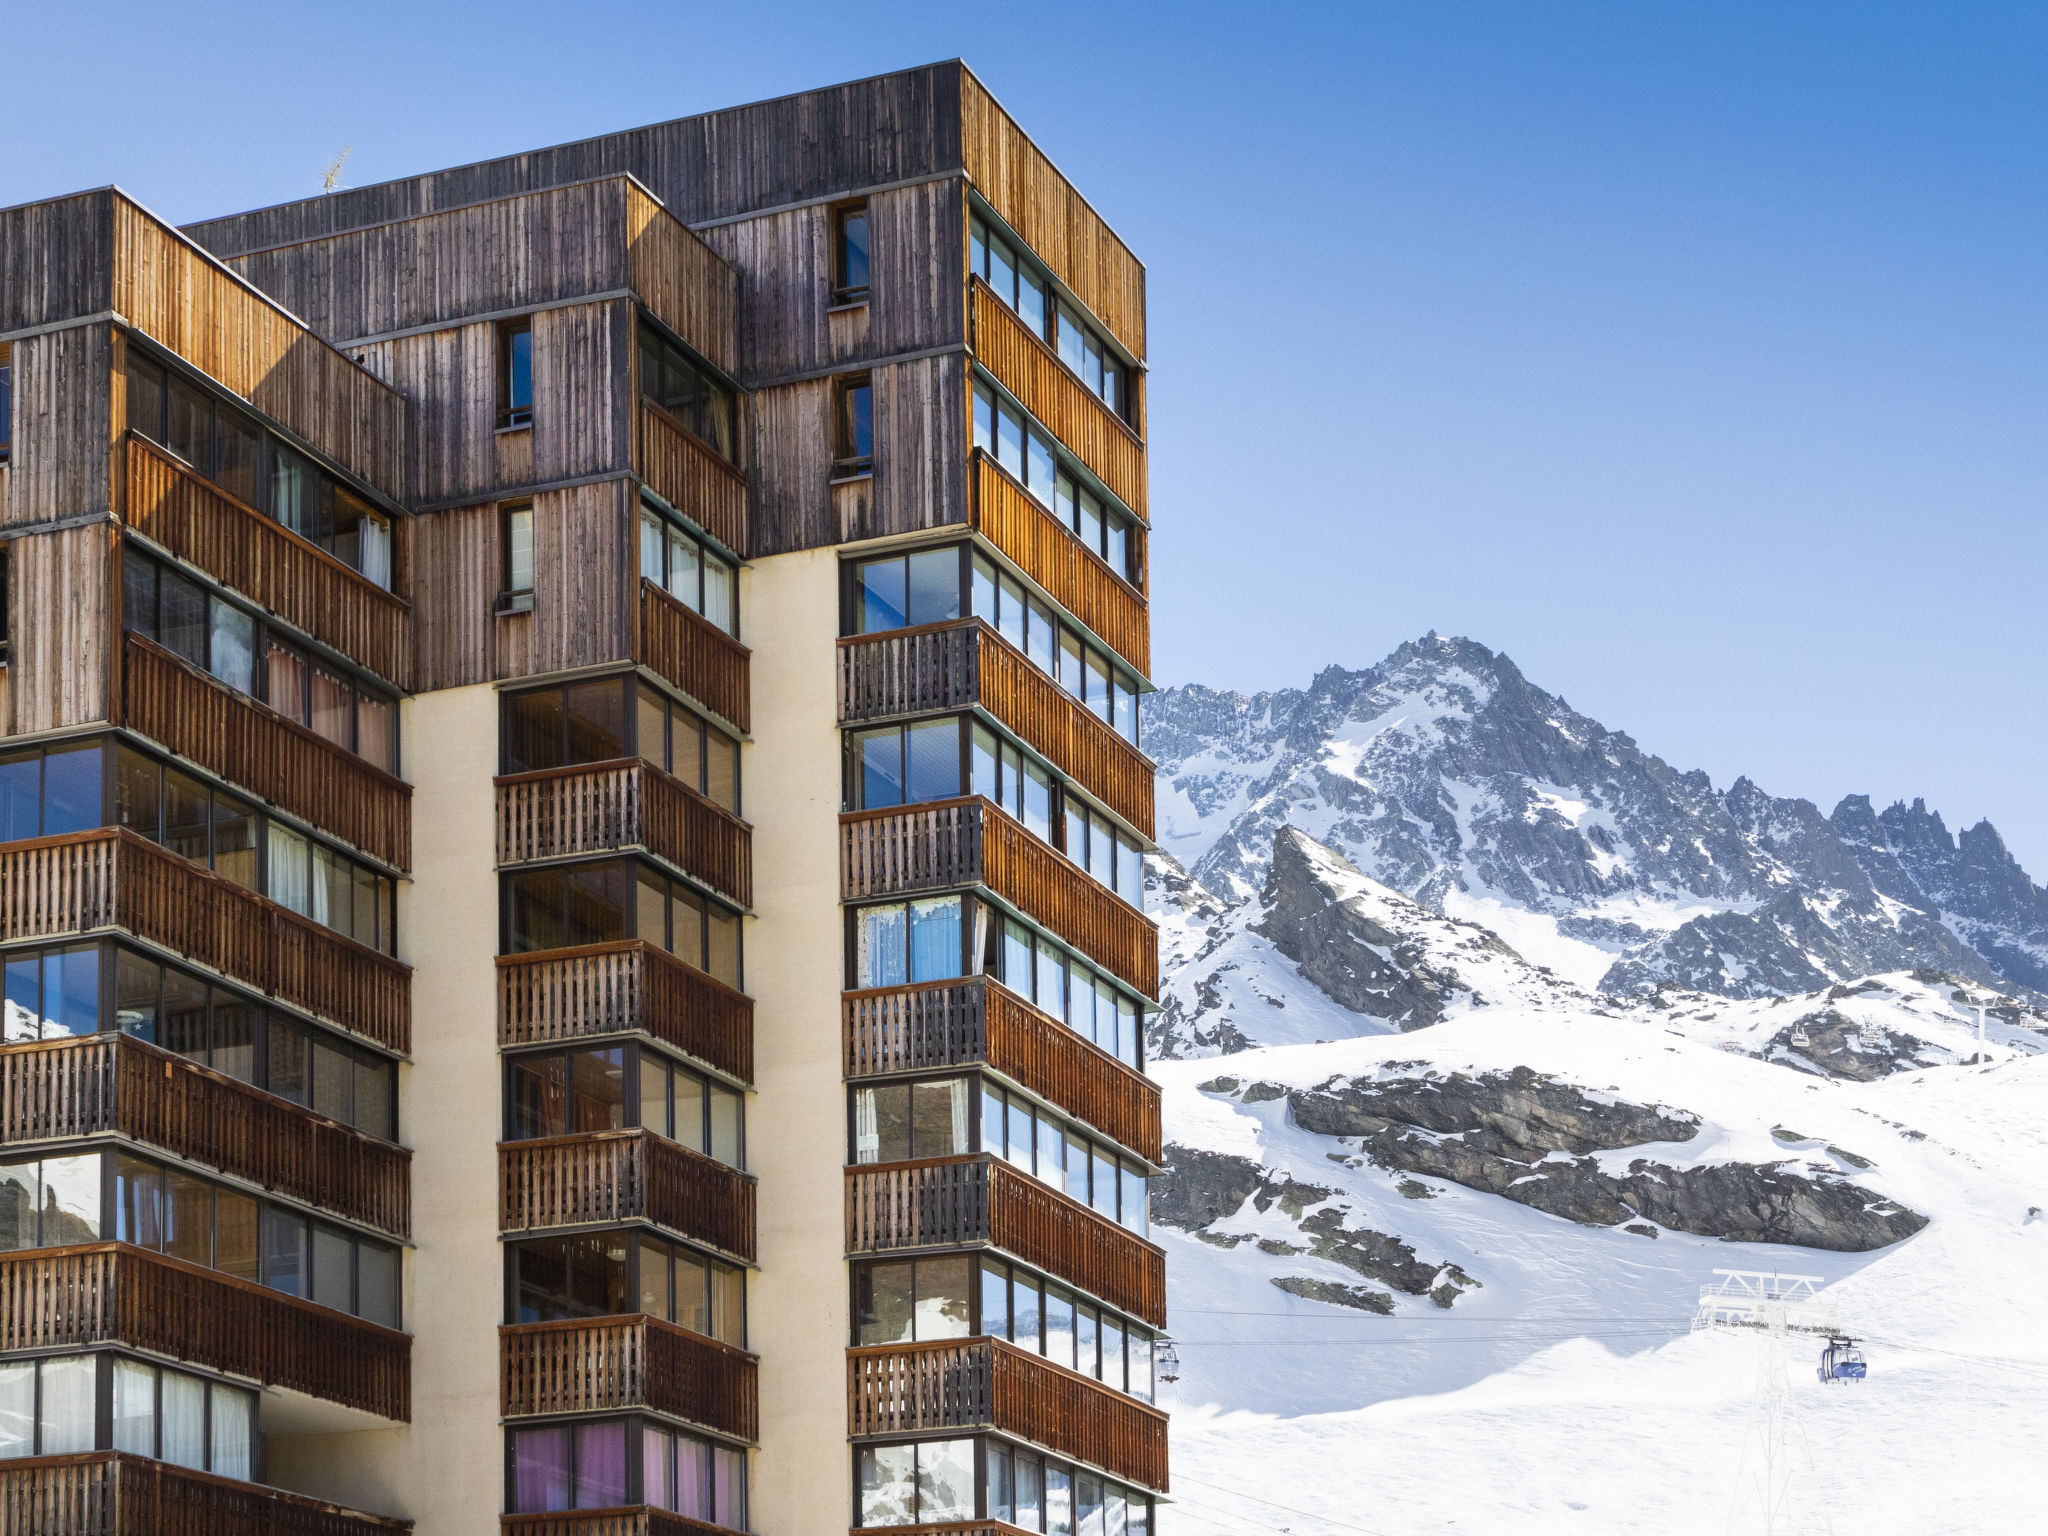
{"points": [[63, 425], [819, 144], [459, 559], [60, 595], [585, 545], [56, 261], [1052, 218], [682, 280], [789, 502], [582, 389], [920, 445], [788, 323]]}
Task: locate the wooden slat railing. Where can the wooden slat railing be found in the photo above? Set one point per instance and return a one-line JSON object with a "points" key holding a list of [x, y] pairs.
{"points": [[629, 1175], [953, 1201], [965, 663], [241, 548], [110, 1293], [110, 1493], [684, 472], [54, 1090], [641, 1520], [53, 886], [606, 989], [694, 654], [948, 843], [900, 1389], [258, 749], [1077, 578], [627, 803], [597, 1365], [967, 1023], [1075, 414]]}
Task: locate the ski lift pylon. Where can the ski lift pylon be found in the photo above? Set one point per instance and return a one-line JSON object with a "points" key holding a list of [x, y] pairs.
{"points": [[1842, 1360]]}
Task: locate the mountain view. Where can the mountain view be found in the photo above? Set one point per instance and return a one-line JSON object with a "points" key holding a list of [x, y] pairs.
{"points": [[1487, 1037]]}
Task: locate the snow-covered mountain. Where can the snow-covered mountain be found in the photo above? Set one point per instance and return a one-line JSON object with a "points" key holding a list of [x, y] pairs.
{"points": [[1446, 775], [1487, 1038]]}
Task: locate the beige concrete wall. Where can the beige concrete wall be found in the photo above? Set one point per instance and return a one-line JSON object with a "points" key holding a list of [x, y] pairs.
{"points": [[446, 1469], [797, 1137]]}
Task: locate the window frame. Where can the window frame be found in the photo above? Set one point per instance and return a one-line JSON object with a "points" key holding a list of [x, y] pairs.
{"points": [[847, 294], [6, 401], [512, 596], [512, 415], [848, 462]]}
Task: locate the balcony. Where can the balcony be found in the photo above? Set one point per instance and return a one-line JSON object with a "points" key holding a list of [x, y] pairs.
{"points": [[241, 548], [54, 887], [1042, 384], [952, 843], [905, 1389], [609, 989], [609, 807], [695, 655], [975, 1201], [684, 472], [614, 1176], [232, 735], [57, 1090], [608, 1364], [109, 1493], [966, 664], [109, 1293], [640, 1520], [1078, 579], [983, 1023]]}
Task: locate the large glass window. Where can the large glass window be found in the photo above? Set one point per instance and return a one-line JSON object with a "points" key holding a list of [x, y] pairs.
{"points": [[903, 764], [688, 746], [903, 591], [515, 372], [1059, 1152], [688, 1107], [52, 994], [693, 1291], [1037, 1493], [205, 629], [1046, 1318], [897, 1122], [593, 1466], [909, 942], [1001, 771], [566, 907], [49, 791], [1045, 972], [689, 569], [1021, 283], [50, 1202], [256, 466], [1003, 433], [1091, 674], [674, 379], [929, 1482], [689, 925], [907, 1301]]}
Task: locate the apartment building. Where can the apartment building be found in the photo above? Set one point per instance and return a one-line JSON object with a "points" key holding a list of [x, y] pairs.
{"points": [[571, 872]]}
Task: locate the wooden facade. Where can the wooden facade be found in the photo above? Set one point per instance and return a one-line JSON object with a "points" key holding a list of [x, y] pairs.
{"points": [[951, 844], [696, 656], [56, 887], [116, 1085], [598, 1365], [608, 1177], [111, 1293], [625, 988], [965, 664], [976, 1201], [598, 807], [110, 1493], [639, 1520], [980, 1022], [902, 1389]]}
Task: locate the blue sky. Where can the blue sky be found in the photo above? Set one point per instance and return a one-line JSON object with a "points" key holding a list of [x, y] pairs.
{"points": [[1692, 354]]}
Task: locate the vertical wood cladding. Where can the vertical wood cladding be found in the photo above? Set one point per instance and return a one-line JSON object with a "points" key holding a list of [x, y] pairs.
{"points": [[584, 548], [60, 596], [56, 260], [823, 143], [788, 322], [582, 389], [63, 428], [1041, 205], [790, 506]]}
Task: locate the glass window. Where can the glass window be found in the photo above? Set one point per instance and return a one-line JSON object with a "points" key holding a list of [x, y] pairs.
{"points": [[134, 1408], [691, 1126], [540, 1470], [519, 548], [727, 1125], [377, 1269], [850, 278], [66, 1415], [515, 373], [333, 1269], [995, 1299], [934, 586], [236, 1237], [856, 447], [231, 1431], [884, 1303], [931, 755], [888, 1485], [935, 939], [146, 394], [600, 1466], [882, 947], [882, 596], [181, 617]]}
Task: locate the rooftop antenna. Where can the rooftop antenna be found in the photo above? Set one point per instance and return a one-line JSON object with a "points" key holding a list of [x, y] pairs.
{"points": [[1773, 1308], [331, 177]]}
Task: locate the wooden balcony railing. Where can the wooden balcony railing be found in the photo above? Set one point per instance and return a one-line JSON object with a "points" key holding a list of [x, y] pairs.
{"points": [[595, 807], [55, 1090], [608, 989], [598, 1365], [109, 1293], [1028, 369], [241, 548], [632, 1175], [1079, 580], [901, 1389], [264, 753], [110, 1493], [982, 1022], [959, 1201], [694, 654], [950, 843], [641, 1520], [684, 472], [966, 663], [111, 878]]}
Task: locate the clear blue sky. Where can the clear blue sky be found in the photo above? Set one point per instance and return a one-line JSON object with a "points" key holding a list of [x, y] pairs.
{"points": [[1690, 353]]}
